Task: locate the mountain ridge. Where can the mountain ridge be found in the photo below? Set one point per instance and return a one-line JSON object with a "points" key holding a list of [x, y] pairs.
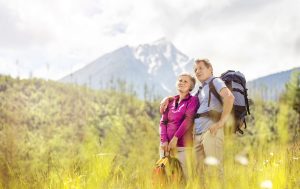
{"points": [[155, 66]]}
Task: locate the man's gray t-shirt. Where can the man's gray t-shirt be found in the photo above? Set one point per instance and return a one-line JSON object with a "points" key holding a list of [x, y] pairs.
{"points": [[202, 124]]}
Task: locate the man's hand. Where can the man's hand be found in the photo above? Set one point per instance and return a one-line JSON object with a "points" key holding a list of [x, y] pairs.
{"points": [[164, 104], [228, 100], [173, 143], [214, 128], [164, 146]]}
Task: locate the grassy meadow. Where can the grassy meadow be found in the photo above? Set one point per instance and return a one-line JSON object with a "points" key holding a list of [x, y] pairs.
{"points": [[55, 135]]}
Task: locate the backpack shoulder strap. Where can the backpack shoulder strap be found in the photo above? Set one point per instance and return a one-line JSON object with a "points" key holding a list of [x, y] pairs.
{"points": [[198, 92], [212, 90]]}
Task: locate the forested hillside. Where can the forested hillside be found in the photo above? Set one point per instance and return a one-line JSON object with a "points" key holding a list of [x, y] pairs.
{"points": [[48, 129]]}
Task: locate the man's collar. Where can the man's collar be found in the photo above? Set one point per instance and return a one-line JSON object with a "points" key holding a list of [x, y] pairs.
{"points": [[208, 80]]}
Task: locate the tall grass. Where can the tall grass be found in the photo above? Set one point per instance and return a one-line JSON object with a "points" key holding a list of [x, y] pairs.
{"points": [[272, 162], [56, 136]]}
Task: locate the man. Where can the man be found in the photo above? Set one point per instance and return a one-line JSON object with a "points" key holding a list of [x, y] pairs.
{"points": [[211, 115]]}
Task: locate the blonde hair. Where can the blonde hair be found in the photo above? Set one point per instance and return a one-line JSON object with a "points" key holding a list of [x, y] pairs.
{"points": [[192, 78]]}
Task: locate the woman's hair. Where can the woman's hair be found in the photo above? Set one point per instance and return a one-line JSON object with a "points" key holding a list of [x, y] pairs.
{"points": [[206, 62], [192, 78]]}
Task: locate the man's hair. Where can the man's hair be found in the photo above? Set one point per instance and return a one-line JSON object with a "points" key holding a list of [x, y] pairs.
{"points": [[206, 62], [192, 78]]}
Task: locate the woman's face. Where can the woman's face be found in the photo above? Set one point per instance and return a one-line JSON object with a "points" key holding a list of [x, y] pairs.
{"points": [[183, 84]]}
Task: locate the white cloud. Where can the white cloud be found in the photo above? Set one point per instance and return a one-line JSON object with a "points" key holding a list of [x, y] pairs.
{"points": [[256, 37], [257, 40]]}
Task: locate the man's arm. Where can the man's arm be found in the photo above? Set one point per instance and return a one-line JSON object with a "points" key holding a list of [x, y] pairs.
{"points": [[228, 100]]}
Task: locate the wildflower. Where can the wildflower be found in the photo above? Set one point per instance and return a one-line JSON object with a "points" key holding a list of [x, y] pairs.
{"points": [[210, 160], [266, 184], [241, 159], [266, 162], [271, 154], [105, 154]]}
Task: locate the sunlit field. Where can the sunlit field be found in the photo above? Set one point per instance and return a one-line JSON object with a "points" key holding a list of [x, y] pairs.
{"points": [[55, 135]]}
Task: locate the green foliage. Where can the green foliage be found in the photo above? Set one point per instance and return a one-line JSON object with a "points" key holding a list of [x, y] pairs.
{"points": [[55, 135], [51, 132], [290, 106]]}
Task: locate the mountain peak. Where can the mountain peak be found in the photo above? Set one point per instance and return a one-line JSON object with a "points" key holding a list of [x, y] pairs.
{"points": [[155, 64], [163, 41]]}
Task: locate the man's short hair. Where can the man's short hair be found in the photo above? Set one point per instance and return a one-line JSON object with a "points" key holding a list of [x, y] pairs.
{"points": [[206, 63], [192, 78]]}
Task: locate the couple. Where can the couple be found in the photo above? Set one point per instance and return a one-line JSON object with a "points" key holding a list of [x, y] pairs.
{"points": [[186, 124]]}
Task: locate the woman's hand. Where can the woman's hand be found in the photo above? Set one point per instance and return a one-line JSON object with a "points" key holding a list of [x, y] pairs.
{"points": [[164, 146], [173, 143]]}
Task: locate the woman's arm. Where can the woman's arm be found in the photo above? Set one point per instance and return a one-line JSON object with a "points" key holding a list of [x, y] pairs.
{"points": [[187, 122], [163, 127]]}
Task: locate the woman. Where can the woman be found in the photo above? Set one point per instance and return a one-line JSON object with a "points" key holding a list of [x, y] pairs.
{"points": [[176, 122]]}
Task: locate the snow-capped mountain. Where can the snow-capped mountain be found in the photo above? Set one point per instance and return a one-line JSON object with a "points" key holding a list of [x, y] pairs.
{"points": [[153, 68], [155, 65]]}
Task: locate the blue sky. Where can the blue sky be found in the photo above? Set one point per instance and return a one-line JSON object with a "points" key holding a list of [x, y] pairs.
{"points": [[257, 37]]}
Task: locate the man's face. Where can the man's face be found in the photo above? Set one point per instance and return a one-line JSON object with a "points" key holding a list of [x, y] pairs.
{"points": [[202, 72]]}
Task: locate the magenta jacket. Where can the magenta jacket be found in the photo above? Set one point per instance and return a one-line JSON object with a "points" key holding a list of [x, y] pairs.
{"points": [[178, 120]]}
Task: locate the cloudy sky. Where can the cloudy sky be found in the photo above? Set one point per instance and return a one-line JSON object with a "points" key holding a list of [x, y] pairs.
{"points": [[51, 38]]}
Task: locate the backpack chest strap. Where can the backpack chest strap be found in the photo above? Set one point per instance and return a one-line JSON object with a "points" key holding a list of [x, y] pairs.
{"points": [[212, 114]]}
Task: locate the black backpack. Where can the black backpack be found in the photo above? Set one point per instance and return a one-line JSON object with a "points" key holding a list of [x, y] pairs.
{"points": [[236, 83]]}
